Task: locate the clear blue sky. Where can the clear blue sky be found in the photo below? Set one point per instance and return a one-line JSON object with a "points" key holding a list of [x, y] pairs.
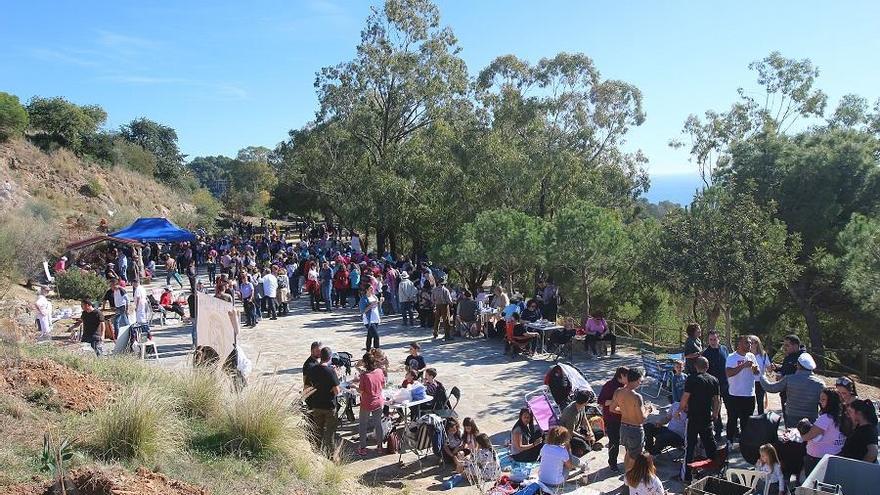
{"points": [[227, 74]]}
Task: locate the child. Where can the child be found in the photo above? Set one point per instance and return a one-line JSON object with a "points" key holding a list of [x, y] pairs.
{"points": [[469, 435], [409, 379], [678, 379], [484, 466], [642, 478], [769, 463], [415, 361], [454, 449]]}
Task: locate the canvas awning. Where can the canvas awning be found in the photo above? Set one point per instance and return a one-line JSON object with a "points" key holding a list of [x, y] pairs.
{"points": [[100, 238], [154, 230]]}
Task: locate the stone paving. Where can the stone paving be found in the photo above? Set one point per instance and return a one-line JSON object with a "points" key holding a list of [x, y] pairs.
{"points": [[492, 385]]}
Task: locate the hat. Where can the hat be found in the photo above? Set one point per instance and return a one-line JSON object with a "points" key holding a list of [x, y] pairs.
{"points": [[404, 275], [807, 362]]}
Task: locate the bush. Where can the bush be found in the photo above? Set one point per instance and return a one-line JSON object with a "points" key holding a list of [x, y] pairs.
{"points": [[65, 122], [258, 423], [199, 393], [25, 241], [134, 157], [140, 424], [40, 210], [80, 284], [92, 188], [13, 117], [207, 207]]}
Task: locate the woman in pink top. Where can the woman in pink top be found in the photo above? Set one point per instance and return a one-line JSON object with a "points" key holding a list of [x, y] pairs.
{"points": [[372, 382], [824, 436], [596, 329]]}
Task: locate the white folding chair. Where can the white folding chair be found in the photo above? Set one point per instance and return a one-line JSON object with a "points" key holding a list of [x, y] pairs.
{"points": [[748, 478], [143, 343]]}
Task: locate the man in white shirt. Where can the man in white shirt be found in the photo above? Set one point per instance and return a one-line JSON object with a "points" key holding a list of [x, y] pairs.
{"points": [[120, 302], [140, 302], [741, 387], [43, 314], [270, 291]]}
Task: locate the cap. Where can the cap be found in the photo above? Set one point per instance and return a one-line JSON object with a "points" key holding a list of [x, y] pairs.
{"points": [[807, 362]]}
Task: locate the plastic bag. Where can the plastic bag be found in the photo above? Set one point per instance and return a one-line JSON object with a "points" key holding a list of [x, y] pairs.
{"points": [[402, 395], [417, 391]]}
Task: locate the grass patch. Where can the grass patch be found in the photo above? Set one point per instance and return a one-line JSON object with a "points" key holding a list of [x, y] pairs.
{"points": [[199, 393], [140, 424], [257, 423]]}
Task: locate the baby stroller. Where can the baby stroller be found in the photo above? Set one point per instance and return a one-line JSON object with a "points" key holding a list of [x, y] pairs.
{"points": [[563, 380], [543, 408]]}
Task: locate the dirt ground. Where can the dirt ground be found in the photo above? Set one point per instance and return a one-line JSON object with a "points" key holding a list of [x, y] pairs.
{"points": [[111, 481], [51, 384]]}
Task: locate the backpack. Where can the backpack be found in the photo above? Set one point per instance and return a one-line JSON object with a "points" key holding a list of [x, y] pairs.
{"points": [[392, 443]]}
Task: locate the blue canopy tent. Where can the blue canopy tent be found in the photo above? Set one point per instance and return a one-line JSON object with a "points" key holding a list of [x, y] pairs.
{"points": [[154, 230]]}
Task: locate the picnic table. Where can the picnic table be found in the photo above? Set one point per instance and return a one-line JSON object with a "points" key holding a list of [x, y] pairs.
{"points": [[543, 327]]}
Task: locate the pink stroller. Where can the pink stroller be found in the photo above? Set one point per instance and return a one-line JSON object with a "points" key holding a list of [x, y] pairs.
{"points": [[543, 408]]}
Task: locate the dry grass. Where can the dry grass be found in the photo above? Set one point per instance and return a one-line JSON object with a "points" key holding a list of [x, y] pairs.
{"points": [[140, 424]]}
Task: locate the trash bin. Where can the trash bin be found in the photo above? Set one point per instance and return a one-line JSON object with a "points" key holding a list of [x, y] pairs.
{"points": [[716, 486], [854, 477]]}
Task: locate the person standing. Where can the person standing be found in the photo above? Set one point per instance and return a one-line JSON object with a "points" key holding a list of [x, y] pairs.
{"points": [[313, 359], [442, 299], [406, 294], [763, 361], [370, 385], [792, 348], [43, 308], [802, 390], [91, 320], [122, 264], [741, 387], [270, 292], [370, 316], [693, 347], [246, 293], [326, 278], [141, 304], [701, 401], [610, 416], [322, 402], [633, 413], [120, 304], [716, 353]]}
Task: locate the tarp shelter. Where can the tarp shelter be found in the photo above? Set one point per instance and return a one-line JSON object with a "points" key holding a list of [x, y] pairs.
{"points": [[154, 230], [100, 238]]}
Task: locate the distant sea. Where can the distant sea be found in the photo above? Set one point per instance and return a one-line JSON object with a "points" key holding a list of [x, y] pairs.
{"points": [[679, 188]]}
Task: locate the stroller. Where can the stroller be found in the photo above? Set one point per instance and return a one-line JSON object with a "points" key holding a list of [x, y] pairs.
{"points": [[543, 408], [563, 380]]}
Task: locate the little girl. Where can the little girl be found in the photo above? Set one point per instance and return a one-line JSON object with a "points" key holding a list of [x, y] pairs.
{"points": [[469, 433], [484, 465], [769, 463]]}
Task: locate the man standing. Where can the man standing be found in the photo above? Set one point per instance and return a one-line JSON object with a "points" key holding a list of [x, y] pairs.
{"points": [[120, 303], [322, 402], [326, 278], [612, 417], [791, 346], [91, 320], [122, 264], [314, 359], [741, 387], [270, 291], [442, 299], [717, 355], [246, 292], [633, 413], [43, 314], [692, 347], [406, 293], [801, 388], [140, 302], [702, 404], [370, 316]]}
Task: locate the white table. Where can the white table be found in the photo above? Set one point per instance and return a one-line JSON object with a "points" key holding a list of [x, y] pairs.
{"points": [[406, 405], [543, 328]]}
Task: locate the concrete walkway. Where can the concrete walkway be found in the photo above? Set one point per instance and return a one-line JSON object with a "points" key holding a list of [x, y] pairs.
{"points": [[492, 384]]}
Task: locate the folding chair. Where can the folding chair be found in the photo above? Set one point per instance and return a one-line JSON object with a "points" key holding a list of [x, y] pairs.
{"points": [[749, 478], [449, 411], [659, 372]]}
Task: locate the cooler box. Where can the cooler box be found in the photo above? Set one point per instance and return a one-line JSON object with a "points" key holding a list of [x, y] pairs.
{"points": [[852, 476]]}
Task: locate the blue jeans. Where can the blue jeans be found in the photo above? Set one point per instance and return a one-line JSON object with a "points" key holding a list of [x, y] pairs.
{"points": [[120, 320], [176, 276], [372, 336], [327, 295]]}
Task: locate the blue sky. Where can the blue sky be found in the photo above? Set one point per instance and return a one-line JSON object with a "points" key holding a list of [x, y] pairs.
{"points": [[229, 74]]}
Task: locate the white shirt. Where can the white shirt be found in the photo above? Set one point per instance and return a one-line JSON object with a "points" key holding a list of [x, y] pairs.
{"points": [[553, 458], [372, 315], [763, 362], [120, 297], [653, 487], [44, 314], [774, 475], [741, 384], [270, 285], [140, 304]]}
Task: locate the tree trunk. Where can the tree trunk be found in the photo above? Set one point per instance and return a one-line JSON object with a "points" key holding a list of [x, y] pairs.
{"points": [[542, 199], [728, 324], [381, 238], [586, 289], [798, 292], [712, 317], [392, 242]]}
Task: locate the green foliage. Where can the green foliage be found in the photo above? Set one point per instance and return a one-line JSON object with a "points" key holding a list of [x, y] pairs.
{"points": [[13, 117], [199, 394], [133, 157], [211, 171], [160, 141], [92, 188], [65, 122], [513, 240], [40, 210], [859, 263], [207, 208], [80, 284], [26, 239], [55, 455], [140, 424]]}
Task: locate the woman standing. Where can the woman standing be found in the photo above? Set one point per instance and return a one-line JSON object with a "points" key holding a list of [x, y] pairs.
{"points": [[370, 317], [763, 362], [846, 388], [371, 384], [824, 437]]}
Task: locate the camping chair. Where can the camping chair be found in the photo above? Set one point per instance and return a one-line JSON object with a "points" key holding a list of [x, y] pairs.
{"points": [[718, 464], [449, 411], [517, 345], [748, 478], [543, 408], [139, 337], [661, 373], [561, 344]]}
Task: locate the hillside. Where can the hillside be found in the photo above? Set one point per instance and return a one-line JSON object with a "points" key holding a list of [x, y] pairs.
{"points": [[76, 194]]}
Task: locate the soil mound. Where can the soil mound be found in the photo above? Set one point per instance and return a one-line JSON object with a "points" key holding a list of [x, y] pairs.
{"points": [[53, 385], [93, 481]]}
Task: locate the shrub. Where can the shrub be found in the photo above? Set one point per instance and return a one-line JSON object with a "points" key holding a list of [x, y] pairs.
{"points": [[80, 284], [25, 241], [257, 423], [40, 210], [199, 393], [13, 117], [134, 157], [207, 207], [140, 424], [92, 188]]}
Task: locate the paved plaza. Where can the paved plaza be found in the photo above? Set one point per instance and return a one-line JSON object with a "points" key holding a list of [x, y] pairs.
{"points": [[492, 384]]}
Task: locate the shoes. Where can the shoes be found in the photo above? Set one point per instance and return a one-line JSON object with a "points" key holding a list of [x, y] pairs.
{"points": [[613, 467]]}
